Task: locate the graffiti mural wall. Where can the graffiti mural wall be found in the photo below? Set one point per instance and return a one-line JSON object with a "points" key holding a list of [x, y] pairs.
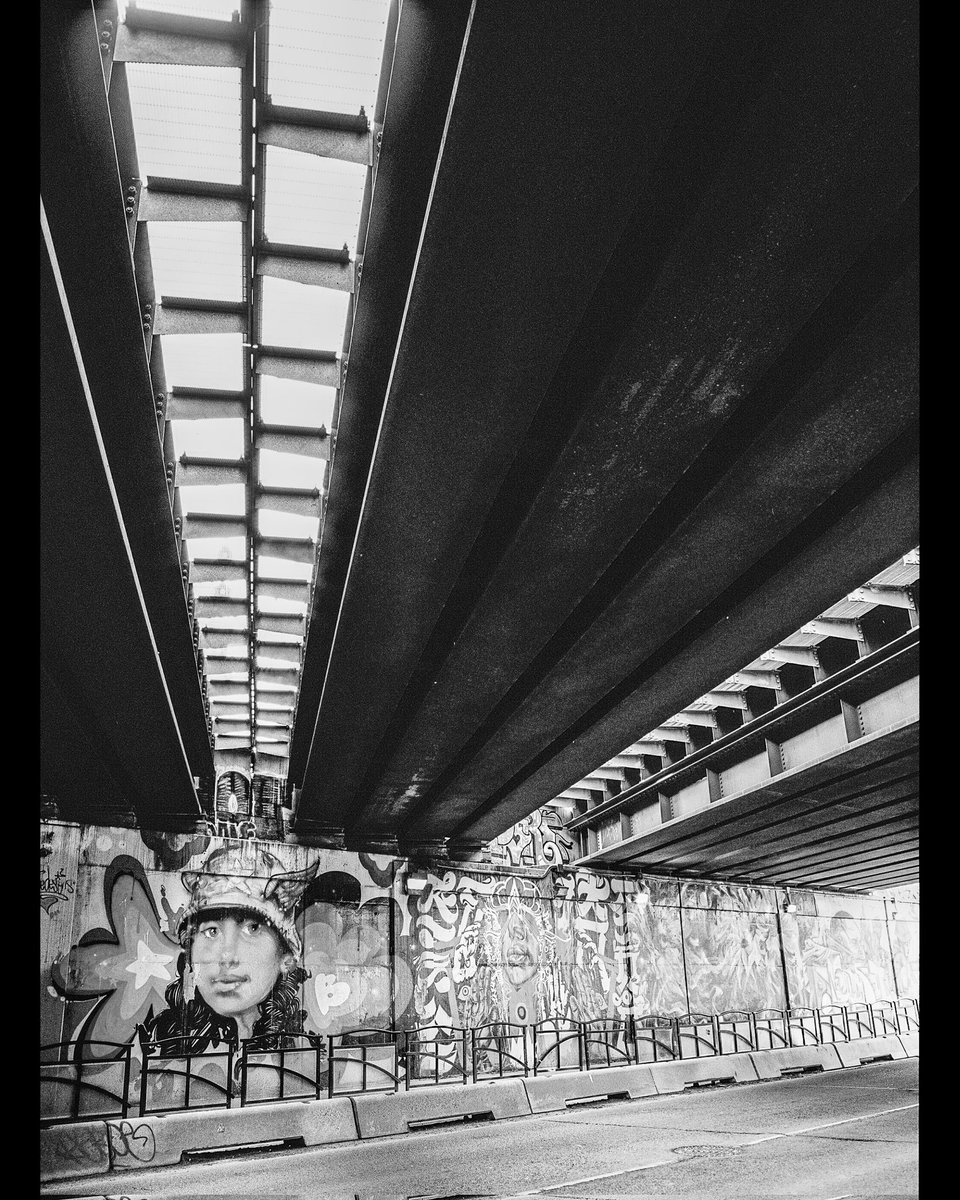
{"points": [[904, 929], [537, 841], [488, 946], [838, 951], [732, 947], [196, 938]]}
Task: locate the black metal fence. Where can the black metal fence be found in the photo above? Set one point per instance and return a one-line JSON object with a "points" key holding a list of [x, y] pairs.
{"points": [[99, 1080]]}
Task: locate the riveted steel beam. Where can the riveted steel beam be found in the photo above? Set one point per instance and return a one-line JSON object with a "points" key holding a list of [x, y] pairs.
{"points": [[328, 135], [279, 651], [154, 37], [191, 472], [208, 525], [204, 404], [283, 589], [291, 549], [306, 264], [311, 443], [179, 317], [217, 639], [289, 500], [206, 570], [220, 606], [277, 675], [892, 596], [320, 366], [292, 624], [187, 200]]}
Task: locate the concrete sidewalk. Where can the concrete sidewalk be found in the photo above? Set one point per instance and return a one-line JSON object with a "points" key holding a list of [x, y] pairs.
{"points": [[848, 1133]]}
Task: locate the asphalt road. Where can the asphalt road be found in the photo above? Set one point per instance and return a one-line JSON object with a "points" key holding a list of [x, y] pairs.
{"points": [[850, 1133]]}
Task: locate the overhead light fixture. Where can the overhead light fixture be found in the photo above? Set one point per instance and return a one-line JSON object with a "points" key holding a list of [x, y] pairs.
{"points": [[788, 904], [414, 884]]}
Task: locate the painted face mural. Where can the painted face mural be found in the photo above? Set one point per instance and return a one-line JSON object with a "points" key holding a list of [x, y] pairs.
{"points": [[201, 944], [520, 945], [238, 976], [237, 960], [487, 952]]}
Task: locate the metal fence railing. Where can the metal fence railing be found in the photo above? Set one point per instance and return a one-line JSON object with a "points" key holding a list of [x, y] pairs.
{"points": [[174, 1078], [557, 1045], [365, 1060], [499, 1050], [83, 1081], [655, 1038]]}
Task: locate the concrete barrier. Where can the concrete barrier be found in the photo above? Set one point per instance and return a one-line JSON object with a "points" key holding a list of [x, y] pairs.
{"points": [[722, 1068], [772, 1064], [555, 1093], [78, 1149], [910, 1043], [853, 1054], [636, 1081], [398, 1112], [163, 1140]]}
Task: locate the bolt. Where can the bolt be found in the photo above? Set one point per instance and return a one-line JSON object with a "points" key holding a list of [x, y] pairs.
{"points": [[104, 46]]}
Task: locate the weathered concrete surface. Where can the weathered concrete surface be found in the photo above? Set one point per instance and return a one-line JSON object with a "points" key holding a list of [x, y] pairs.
{"points": [[819, 1136], [771, 1064], [391, 1114], [70, 1150], [550, 1093], [162, 1140]]}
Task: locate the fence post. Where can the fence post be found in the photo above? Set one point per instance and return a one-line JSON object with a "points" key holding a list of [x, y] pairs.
{"points": [[75, 1091], [717, 1042], [329, 1066], [128, 1053], [143, 1078]]}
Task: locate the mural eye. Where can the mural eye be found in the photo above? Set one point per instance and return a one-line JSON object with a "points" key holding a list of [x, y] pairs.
{"points": [[209, 931]]}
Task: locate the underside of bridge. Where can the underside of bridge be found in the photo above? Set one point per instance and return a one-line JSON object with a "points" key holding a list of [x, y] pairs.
{"points": [[631, 396]]}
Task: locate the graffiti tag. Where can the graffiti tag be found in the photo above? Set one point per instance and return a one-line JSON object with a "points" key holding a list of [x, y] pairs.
{"points": [[130, 1141], [54, 888]]}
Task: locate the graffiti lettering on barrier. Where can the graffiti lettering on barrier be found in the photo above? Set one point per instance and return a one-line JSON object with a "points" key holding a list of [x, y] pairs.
{"points": [[78, 1146], [54, 888], [132, 1141]]}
